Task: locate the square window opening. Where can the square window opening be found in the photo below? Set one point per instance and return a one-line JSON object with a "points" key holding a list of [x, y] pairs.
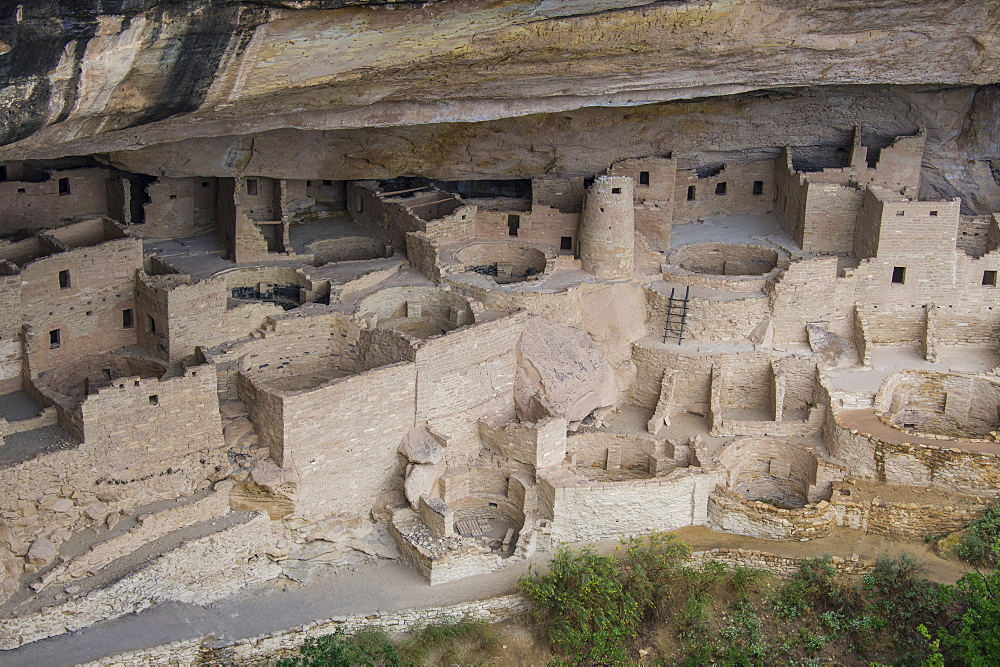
{"points": [[643, 178], [204, 184], [758, 187], [127, 321], [691, 193], [990, 278], [933, 214], [565, 242], [720, 188], [55, 339], [63, 186], [360, 208], [251, 186], [154, 400], [899, 275], [64, 279]]}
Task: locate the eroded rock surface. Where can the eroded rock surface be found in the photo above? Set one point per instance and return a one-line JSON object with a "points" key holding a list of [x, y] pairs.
{"points": [[560, 373]]}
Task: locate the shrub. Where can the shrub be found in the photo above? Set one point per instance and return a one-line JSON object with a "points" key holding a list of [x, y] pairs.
{"points": [[590, 615], [370, 647], [445, 637], [979, 543], [977, 640]]}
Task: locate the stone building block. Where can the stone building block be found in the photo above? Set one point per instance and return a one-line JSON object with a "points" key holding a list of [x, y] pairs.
{"points": [[437, 516]]}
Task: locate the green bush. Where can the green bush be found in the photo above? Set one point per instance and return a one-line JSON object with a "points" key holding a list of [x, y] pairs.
{"points": [[589, 613], [979, 543], [977, 640], [444, 637], [368, 648]]}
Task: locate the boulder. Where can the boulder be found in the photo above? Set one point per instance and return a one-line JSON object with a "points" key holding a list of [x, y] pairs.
{"points": [[833, 349], [270, 488], [42, 552], [422, 446], [421, 478], [560, 373], [236, 429]]}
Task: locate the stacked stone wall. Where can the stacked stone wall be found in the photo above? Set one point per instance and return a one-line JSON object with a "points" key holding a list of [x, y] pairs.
{"points": [[88, 311], [738, 198], [465, 376], [178, 207], [733, 513], [39, 205], [912, 464], [583, 510]]}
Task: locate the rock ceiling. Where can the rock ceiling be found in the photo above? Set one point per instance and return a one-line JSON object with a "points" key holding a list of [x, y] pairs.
{"points": [[461, 89]]}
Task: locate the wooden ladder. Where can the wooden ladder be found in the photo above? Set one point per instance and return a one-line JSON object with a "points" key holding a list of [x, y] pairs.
{"points": [[677, 311]]}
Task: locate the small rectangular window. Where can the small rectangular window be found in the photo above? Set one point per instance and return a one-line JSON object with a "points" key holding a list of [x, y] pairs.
{"points": [[758, 187], [154, 400], [64, 279], [127, 321], [3, 172], [643, 178], [63, 186], [513, 224], [900, 213], [691, 193], [204, 184], [55, 339], [899, 274], [616, 191], [309, 184], [151, 323], [565, 242], [720, 188], [327, 182], [173, 197], [990, 278], [933, 214], [251, 186], [361, 205], [21, 191]]}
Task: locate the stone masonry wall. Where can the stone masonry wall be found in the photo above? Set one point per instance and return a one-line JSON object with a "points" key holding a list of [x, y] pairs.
{"points": [[911, 464], [591, 511], [371, 413], [88, 312], [465, 376], [736, 182]]}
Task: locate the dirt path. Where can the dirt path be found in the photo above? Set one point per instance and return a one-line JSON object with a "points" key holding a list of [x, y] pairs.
{"points": [[389, 586]]}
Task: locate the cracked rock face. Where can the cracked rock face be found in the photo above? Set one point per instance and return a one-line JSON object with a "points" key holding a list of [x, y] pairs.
{"points": [[340, 83], [560, 373]]}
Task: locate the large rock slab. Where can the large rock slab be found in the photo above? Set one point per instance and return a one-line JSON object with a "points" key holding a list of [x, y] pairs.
{"points": [[422, 446], [560, 373]]}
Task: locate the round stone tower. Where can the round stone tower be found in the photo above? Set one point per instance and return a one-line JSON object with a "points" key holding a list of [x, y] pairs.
{"points": [[607, 228]]}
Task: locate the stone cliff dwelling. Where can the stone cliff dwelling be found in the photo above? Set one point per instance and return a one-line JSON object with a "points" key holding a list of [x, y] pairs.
{"points": [[207, 381]]}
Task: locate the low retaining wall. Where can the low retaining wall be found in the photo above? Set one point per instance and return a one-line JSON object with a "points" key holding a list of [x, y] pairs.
{"points": [[733, 513], [906, 520], [262, 649]]}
